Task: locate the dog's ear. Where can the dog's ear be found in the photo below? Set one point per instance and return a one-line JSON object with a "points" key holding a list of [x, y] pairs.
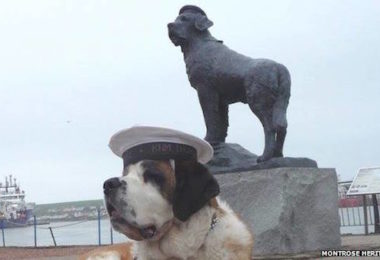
{"points": [[195, 186], [202, 23]]}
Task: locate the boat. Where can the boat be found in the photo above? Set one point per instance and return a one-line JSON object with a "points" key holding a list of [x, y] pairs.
{"points": [[14, 211]]}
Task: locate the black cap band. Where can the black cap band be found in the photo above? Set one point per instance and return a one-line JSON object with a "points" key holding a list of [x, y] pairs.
{"points": [[159, 151]]}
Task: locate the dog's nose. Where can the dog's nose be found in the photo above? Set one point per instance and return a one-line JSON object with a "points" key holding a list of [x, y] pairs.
{"points": [[170, 25], [111, 184]]}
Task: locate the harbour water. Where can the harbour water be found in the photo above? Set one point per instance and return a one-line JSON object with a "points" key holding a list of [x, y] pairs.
{"points": [[65, 233]]}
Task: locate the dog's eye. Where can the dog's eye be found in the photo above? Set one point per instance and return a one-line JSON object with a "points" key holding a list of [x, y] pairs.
{"points": [[154, 176]]}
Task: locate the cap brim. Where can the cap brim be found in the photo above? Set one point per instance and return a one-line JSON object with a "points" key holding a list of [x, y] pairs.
{"points": [[130, 137]]}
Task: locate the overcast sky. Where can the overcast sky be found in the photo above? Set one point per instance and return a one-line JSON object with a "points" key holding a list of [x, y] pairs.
{"points": [[74, 72]]}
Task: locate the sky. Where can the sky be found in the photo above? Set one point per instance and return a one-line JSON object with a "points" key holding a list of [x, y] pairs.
{"points": [[72, 73]]}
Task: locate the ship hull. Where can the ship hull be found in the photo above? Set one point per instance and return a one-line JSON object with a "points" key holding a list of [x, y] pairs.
{"points": [[18, 222]]}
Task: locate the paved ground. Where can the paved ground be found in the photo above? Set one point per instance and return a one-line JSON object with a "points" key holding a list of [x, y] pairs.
{"points": [[370, 242], [45, 253]]}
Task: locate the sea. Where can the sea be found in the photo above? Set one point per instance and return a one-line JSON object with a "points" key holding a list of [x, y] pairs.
{"points": [[65, 233], [86, 232]]}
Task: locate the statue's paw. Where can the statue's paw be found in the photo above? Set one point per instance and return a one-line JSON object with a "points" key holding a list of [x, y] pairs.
{"points": [[263, 158]]}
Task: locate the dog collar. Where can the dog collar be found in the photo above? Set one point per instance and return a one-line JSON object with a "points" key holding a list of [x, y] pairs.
{"points": [[214, 221]]}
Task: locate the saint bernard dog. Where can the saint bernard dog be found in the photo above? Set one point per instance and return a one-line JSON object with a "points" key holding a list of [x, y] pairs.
{"points": [[171, 210]]}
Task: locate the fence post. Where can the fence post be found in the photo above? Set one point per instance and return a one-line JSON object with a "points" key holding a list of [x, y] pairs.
{"points": [[99, 233], [376, 214], [2, 232], [35, 230], [111, 231], [52, 235], [365, 215]]}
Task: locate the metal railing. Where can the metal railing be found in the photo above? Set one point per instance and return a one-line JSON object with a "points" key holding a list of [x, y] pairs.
{"points": [[354, 216], [356, 213]]}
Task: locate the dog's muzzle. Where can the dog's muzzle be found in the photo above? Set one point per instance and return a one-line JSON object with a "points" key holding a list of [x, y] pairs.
{"points": [[148, 232], [170, 26], [173, 36]]}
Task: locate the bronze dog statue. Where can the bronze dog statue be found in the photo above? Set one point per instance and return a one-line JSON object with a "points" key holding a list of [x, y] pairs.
{"points": [[222, 76]]}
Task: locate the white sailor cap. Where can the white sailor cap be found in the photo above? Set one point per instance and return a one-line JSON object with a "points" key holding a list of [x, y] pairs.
{"points": [[157, 143]]}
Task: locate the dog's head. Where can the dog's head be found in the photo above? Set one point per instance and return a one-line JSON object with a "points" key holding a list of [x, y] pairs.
{"points": [[144, 201], [190, 23]]}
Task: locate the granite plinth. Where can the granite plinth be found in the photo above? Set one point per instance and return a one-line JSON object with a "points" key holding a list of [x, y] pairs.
{"points": [[289, 210]]}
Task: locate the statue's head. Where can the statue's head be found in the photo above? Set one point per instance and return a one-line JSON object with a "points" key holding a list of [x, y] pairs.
{"points": [[190, 22]]}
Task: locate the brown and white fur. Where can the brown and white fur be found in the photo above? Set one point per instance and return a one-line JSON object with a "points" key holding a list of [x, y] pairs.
{"points": [[174, 214]]}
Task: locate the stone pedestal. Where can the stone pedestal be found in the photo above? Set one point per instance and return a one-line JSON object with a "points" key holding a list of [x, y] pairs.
{"points": [[289, 210]]}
